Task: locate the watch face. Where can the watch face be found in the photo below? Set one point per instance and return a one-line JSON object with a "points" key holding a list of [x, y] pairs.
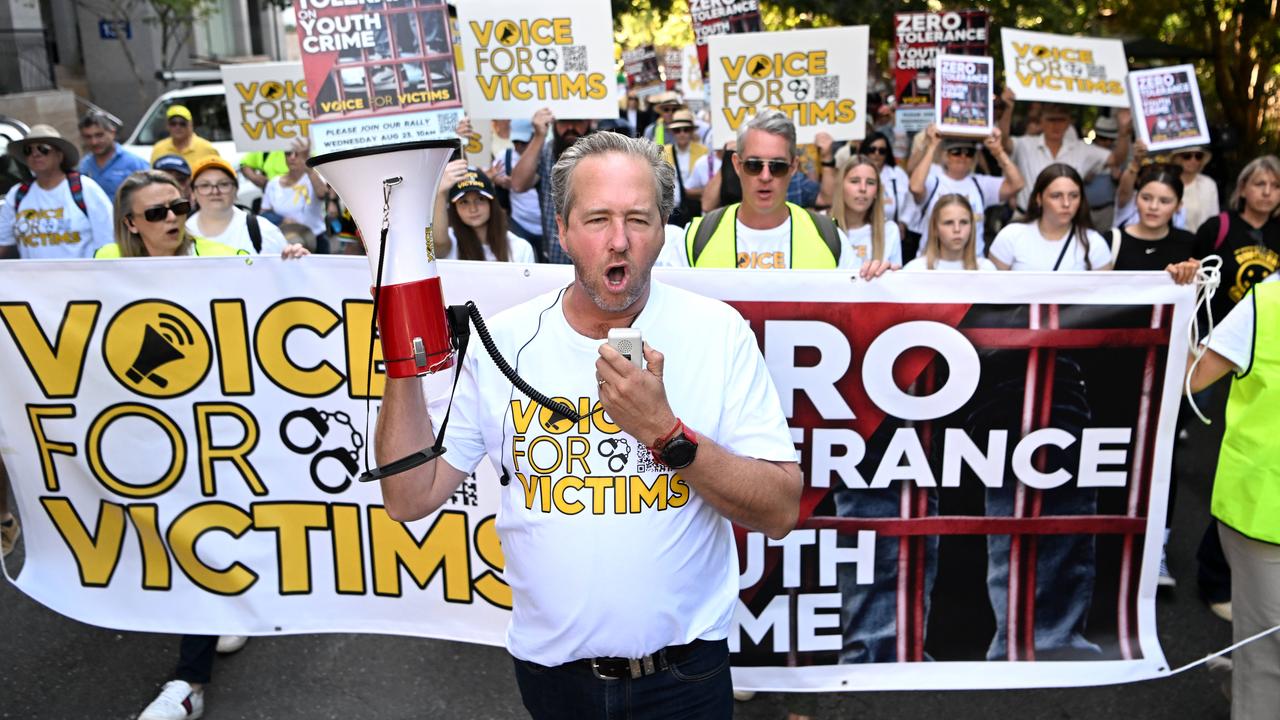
{"points": [[679, 453]]}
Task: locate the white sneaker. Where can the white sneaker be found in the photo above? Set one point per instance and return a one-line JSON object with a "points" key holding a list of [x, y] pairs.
{"points": [[1166, 579], [1222, 610], [177, 701], [228, 644], [743, 695]]}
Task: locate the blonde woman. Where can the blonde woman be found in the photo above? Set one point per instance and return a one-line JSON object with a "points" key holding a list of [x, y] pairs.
{"points": [[951, 241], [858, 210]]}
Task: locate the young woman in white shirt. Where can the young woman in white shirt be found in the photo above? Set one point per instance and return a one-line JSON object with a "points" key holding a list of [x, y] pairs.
{"points": [[951, 241], [858, 210], [477, 223], [297, 196], [213, 185], [1055, 234]]}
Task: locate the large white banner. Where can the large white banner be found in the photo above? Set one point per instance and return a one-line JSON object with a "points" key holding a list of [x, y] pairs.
{"points": [[520, 58], [266, 105], [184, 434], [1065, 68], [817, 77]]}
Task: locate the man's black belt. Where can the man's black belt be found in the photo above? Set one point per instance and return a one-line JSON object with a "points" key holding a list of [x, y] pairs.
{"points": [[612, 668]]}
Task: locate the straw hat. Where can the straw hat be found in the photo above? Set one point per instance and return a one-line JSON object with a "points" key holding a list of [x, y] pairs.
{"points": [[42, 134]]}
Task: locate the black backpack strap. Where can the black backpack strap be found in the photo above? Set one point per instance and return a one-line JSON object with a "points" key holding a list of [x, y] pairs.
{"points": [[255, 231], [706, 229], [830, 234]]}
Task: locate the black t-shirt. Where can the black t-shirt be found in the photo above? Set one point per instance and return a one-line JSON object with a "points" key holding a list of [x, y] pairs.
{"points": [[1139, 254], [1248, 255]]}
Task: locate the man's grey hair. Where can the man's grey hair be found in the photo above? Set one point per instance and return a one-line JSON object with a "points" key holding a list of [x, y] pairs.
{"points": [[774, 122], [602, 143]]}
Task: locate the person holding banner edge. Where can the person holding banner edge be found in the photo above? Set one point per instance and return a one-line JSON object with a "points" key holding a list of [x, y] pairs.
{"points": [[639, 614]]}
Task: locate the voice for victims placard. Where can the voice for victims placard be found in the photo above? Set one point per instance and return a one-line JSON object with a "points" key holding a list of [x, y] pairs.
{"points": [[266, 105], [1065, 69], [817, 77]]}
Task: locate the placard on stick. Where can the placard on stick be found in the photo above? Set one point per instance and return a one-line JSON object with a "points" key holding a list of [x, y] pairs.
{"points": [[964, 104], [266, 105], [817, 77], [1167, 109]]}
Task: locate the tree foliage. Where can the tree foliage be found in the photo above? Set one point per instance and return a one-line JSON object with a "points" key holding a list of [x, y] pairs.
{"points": [[1235, 44]]}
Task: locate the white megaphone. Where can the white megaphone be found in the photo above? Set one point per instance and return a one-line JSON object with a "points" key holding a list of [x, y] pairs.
{"points": [[390, 191]]}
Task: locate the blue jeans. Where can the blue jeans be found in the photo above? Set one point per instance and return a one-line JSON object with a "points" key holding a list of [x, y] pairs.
{"points": [[697, 687], [869, 613]]}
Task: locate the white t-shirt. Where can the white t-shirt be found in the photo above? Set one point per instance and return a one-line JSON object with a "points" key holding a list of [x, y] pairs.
{"points": [[704, 168], [1022, 247], [525, 209], [1233, 337], [765, 249], [896, 184], [682, 162], [237, 233], [593, 571], [298, 202], [859, 242], [1032, 156], [983, 191], [49, 225], [922, 263], [518, 249]]}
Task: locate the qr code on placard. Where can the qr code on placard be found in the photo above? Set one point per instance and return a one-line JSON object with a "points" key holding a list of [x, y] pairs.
{"points": [[826, 88], [1097, 72], [575, 58]]}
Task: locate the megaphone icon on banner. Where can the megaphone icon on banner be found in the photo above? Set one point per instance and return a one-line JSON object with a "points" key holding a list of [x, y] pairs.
{"points": [[156, 351]]}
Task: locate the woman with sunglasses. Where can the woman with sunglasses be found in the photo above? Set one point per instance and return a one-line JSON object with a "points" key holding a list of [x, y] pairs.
{"points": [[893, 179], [858, 210], [298, 196], [1200, 192], [150, 217], [951, 242], [214, 185], [59, 214], [956, 175]]}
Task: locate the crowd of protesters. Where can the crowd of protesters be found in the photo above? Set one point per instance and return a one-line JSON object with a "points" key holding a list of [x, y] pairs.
{"points": [[1048, 198]]}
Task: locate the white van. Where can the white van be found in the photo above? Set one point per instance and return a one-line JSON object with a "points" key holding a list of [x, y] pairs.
{"points": [[208, 106]]}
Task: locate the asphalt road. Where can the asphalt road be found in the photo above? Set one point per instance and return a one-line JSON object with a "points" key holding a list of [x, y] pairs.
{"points": [[53, 667]]}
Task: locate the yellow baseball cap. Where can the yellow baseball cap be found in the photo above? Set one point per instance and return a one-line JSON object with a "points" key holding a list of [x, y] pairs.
{"points": [[214, 163], [178, 111]]}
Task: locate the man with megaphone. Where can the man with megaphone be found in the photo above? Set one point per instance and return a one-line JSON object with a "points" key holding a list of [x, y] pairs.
{"points": [[617, 536]]}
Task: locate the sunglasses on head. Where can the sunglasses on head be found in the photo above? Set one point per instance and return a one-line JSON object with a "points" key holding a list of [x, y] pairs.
{"points": [[160, 212], [755, 166], [965, 151], [878, 150], [1196, 155], [38, 148]]}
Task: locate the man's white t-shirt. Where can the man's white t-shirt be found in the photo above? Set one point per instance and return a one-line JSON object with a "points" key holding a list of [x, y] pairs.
{"points": [[982, 191], [237, 233], [859, 242], [1032, 156], [895, 183], [922, 263], [601, 566], [1233, 337], [765, 249], [297, 202], [50, 226], [525, 210], [704, 168], [1022, 247], [518, 249]]}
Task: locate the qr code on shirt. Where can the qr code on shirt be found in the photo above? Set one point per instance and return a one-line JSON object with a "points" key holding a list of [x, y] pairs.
{"points": [[466, 494], [575, 58], [645, 462], [826, 88]]}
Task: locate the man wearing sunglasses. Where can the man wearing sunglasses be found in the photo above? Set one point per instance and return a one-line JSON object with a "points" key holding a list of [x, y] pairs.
{"points": [[764, 231], [682, 153], [182, 139], [60, 214]]}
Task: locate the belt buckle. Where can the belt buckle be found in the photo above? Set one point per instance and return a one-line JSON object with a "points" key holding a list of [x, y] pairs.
{"points": [[595, 670]]}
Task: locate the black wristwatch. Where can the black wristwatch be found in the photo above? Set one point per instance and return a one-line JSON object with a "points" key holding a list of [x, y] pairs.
{"points": [[677, 448], [829, 163]]}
